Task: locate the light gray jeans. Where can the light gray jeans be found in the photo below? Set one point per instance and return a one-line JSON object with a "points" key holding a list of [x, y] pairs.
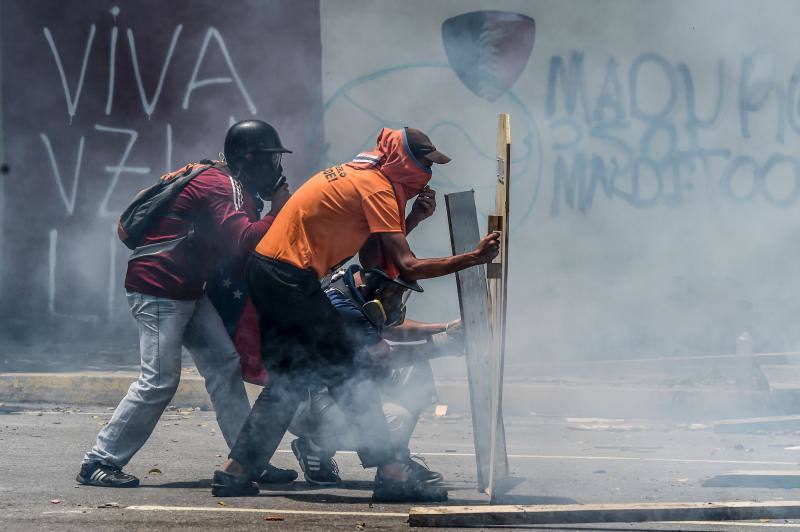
{"points": [[165, 326]]}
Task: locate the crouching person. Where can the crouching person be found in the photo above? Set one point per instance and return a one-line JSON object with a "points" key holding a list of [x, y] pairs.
{"points": [[372, 305], [326, 222], [207, 213]]}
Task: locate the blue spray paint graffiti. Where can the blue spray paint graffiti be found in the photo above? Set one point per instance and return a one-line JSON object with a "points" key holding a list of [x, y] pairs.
{"points": [[526, 159], [650, 154]]}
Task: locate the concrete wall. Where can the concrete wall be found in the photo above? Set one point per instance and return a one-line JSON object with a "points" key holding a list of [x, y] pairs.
{"points": [[655, 180]]}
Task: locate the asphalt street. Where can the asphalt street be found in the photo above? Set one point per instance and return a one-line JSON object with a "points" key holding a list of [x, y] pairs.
{"points": [[563, 460]]}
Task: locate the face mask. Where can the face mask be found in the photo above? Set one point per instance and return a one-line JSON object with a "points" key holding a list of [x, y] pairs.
{"points": [[265, 172], [390, 315], [375, 313]]}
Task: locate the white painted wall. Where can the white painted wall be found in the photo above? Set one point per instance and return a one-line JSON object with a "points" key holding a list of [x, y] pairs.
{"points": [[683, 265]]}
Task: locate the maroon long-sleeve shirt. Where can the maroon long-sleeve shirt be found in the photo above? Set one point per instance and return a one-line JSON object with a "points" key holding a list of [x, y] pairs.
{"points": [[226, 227]]}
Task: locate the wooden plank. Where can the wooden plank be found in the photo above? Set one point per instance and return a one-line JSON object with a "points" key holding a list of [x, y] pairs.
{"points": [[498, 291], [462, 217], [738, 426], [786, 479], [471, 516]]}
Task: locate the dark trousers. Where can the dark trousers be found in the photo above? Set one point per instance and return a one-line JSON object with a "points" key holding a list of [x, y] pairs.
{"points": [[304, 343]]}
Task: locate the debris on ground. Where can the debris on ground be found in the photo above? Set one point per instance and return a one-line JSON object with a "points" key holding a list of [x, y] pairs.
{"points": [[273, 518], [109, 505], [630, 448], [440, 411], [600, 420], [154, 471], [610, 428], [55, 501]]}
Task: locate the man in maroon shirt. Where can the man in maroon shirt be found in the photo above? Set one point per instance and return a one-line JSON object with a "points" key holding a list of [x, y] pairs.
{"points": [[217, 213]]}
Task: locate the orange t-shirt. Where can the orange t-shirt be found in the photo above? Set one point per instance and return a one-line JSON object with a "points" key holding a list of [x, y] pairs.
{"points": [[330, 217]]}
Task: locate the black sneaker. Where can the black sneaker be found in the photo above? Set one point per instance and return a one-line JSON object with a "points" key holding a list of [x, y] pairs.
{"points": [[275, 475], [227, 485], [317, 470], [420, 470], [410, 490], [105, 476]]}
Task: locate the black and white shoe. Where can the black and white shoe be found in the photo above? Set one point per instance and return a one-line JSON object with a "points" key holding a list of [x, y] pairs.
{"points": [[419, 469], [412, 489], [318, 470], [226, 485], [276, 475], [105, 476]]}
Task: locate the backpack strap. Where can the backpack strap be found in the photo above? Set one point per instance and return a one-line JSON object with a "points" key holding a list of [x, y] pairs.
{"points": [[157, 248], [168, 245]]}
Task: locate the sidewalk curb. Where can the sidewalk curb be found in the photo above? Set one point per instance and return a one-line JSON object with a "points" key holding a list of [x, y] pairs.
{"points": [[519, 398], [89, 388]]}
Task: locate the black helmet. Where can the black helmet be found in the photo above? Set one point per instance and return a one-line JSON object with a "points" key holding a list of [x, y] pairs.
{"points": [[376, 277], [254, 147]]}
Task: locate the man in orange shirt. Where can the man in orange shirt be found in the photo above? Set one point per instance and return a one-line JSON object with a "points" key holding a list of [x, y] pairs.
{"points": [[324, 224]]}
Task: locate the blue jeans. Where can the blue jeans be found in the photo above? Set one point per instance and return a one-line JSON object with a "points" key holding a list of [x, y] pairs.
{"points": [[165, 326]]}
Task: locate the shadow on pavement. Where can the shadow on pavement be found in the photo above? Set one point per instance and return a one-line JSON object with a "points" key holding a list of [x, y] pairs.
{"points": [[290, 487], [304, 492], [359, 485], [203, 483], [326, 498], [533, 499]]}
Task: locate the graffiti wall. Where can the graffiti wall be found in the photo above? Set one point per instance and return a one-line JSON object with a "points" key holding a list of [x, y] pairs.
{"points": [[656, 178], [99, 99]]}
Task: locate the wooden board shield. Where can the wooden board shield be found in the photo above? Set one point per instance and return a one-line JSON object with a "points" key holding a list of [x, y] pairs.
{"points": [[497, 273], [473, 300], [481, 296]]}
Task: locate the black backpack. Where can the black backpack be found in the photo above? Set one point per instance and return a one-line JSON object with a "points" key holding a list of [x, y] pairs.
{"points": [[151, 203]]}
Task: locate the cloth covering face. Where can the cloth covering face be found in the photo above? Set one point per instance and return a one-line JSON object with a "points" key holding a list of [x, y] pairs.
{"points": [[330, 216], [392, 156]]}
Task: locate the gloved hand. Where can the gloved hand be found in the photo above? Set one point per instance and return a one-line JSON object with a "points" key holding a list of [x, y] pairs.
{"points": [[451, 340], [455, 330]]}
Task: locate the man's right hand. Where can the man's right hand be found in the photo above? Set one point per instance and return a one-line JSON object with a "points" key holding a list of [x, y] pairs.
{"points": [[488, 248], [395, 247], [279, 199]]}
